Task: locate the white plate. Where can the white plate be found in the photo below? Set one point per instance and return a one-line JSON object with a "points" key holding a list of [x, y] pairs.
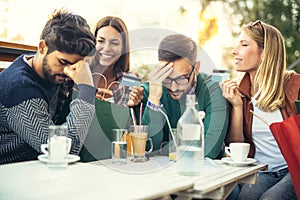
{"points": [[234, 163], [71, 158]]}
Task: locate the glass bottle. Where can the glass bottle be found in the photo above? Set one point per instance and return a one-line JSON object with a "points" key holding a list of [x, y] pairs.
{"points": [[190, 133]]}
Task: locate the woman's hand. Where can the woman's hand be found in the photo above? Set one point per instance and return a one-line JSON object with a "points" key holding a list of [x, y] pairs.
{"points": [[135, 96], [102, 94], [231, 93], [156, 77]]}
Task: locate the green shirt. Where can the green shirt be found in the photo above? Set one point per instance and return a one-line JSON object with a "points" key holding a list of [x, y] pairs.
{"points": [[210, 100]]}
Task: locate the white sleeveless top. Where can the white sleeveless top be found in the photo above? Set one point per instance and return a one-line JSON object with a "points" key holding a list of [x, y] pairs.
{"points": [[267, 150]]}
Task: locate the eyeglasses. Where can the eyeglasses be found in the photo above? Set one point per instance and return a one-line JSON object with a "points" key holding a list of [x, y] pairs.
{"points": [[262, 28], [180, 80], [260, 24], [256, 22]]}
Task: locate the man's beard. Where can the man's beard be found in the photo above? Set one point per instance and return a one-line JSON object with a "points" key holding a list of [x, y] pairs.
{"points": [[179, 93], [47, 73]]}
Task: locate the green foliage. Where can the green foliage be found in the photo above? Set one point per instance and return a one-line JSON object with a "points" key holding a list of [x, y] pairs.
{"points": [[209, 29], [283, 14]]}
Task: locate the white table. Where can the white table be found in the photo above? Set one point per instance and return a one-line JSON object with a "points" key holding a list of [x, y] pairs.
{"points": [[102, 180]]}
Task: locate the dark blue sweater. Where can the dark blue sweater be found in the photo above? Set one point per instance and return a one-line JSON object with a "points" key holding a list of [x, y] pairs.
{"points": [[27, 106]]}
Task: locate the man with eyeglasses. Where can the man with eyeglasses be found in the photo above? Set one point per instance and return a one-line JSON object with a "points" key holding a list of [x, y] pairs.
{"points": [[172, 79]]}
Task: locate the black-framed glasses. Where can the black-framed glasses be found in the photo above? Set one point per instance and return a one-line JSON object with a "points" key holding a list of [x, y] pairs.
{"points": [[180, 80]]}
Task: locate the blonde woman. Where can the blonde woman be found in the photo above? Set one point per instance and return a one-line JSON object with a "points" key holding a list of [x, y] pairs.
{"points": [[268, 90]]}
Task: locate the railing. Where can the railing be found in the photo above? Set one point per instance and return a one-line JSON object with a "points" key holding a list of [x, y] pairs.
{"points": [[10, 51]]}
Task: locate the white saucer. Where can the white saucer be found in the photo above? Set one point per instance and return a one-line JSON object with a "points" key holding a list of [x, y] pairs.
{"points": [[239, 164], [71, 158]]}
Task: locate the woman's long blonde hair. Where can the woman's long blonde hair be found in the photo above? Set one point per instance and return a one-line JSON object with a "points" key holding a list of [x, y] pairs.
{"points": [[271, 74]]}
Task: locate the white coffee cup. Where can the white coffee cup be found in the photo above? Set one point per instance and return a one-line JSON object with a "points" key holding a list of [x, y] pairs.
{"points": [[45, 147], [58, 147], [238, 151]]}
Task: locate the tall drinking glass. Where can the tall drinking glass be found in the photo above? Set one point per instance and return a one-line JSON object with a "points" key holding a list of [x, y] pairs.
{"points": [[139, 134]]}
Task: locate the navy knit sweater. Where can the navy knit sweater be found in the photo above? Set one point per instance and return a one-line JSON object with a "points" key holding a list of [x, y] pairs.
{"points": [[27, 107]]}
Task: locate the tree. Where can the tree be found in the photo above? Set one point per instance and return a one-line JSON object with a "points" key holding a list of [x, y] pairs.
{"points": [[284, 15], [209, 27]]}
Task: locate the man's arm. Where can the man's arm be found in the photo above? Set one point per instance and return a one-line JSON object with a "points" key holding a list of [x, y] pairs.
{"points": [[82, 110], [152, 96], [216, 118], [31, 118]]}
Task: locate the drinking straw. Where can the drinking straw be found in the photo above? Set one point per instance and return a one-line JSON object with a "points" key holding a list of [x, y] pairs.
{"points": [[133, 117], [141, 109], [169, 125]]}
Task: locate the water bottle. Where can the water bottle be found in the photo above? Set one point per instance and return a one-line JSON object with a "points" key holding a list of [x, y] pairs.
{"points": [[190, 133]]}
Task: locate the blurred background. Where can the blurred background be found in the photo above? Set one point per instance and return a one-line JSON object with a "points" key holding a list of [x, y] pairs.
{"points": [[213, 24]]}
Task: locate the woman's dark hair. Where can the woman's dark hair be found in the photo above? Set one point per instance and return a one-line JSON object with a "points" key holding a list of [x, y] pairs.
{"points": [[122, 65]]}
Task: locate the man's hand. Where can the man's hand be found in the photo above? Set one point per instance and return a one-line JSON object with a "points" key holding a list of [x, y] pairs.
{"points": [[156, 77], [80, 73]]}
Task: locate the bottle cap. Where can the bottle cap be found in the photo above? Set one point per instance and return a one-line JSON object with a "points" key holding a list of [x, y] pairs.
{"points": [[201, 115]]}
